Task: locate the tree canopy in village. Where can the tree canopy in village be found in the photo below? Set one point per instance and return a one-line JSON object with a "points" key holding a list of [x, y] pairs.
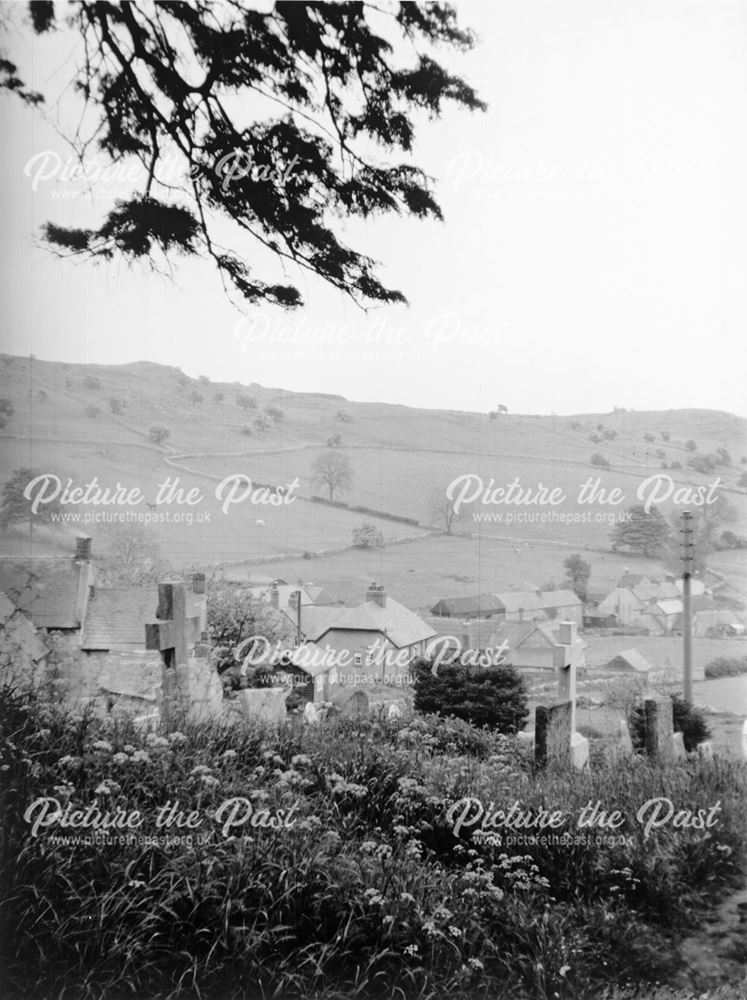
{"points": [[283, 121]]}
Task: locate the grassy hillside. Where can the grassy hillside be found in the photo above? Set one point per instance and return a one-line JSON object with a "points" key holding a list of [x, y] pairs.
{"points": [[63, 422]]}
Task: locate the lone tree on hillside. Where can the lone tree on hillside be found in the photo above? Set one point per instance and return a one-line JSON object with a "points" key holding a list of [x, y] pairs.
{"points": [[335, 88], [332, 471], [644, 532], [444, 511], [577, 573]]}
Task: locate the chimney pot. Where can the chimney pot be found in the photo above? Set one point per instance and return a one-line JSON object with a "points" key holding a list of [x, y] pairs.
{"points": [[377, 595], [198, 583], [274, 595]]}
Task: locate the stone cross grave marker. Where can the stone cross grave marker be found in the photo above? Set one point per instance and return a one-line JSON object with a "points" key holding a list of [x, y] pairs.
{"points": [[172, 635]]}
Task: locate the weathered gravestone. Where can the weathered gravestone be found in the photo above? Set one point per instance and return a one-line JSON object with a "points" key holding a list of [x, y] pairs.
{"points": [[172, 635], [678, 746], [349, 702], [659, 729], [553, 728]]}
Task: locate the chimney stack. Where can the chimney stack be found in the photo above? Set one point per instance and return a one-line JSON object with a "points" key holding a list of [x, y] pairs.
{"points": [[83, 548], [567, 633], [198, 583], [376, 594], [274, 595]]}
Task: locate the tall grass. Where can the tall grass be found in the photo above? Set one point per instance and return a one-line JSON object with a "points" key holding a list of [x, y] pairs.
{"points": [[368, 894]]}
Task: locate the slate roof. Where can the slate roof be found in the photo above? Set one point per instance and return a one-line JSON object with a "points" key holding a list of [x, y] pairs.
{"points": [[52, 592], [17, 632], [558, 599], [402, 626], [513, 601], [479, 604], [117, 617], [637, 661]]}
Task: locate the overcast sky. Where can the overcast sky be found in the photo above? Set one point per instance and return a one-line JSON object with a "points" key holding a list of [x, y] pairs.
{"points": [[593, 254]]}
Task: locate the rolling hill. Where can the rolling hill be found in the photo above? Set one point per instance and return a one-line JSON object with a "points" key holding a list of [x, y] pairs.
{"points": [[84, 421]]}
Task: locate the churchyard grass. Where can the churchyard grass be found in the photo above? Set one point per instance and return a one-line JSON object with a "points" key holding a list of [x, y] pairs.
{"points": [[367, 892]]}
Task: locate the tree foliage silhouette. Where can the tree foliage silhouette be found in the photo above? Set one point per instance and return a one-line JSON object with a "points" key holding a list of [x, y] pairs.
{"points": [[280, 119]]}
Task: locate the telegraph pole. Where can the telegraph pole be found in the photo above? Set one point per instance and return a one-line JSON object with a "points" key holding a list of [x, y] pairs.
{"points": [[687, 604]]}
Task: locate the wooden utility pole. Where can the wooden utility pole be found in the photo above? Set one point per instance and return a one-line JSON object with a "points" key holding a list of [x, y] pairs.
{"points": [[687, 604]]}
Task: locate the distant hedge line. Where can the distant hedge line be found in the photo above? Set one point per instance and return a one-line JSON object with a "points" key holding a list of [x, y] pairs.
{"points": [[371, 511]]}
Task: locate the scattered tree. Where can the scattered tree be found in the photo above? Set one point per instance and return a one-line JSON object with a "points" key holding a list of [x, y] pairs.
{"points": [[368, 536], [15, 508], [261, 424], [131, 555], [196, 397], [343, 416], [332, 471], [6, 407], [644, 532], [578, 573], [443, 510], [233, 619], [42, 396], [599, 460], [116, 405], [690, 445], [92, 412], [246, 402], [219, 397], [275, 412], [91, 382], [158, 434]]}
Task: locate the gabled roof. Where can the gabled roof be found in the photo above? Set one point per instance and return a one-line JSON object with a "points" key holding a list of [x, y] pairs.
{"points": [[117, 617], [512, 601], [17, 633], [630, 580], [477, 604], [669, 607], [53, 592], [320, 596], [400, 625], [635, 660], [548, 634], [558, 599]]}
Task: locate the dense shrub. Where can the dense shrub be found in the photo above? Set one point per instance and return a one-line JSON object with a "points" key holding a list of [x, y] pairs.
{"points": [[490, 696], [726, 666]]}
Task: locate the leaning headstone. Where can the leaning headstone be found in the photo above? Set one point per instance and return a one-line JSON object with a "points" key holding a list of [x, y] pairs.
{"points": [[552, 734], [678, 746], [659, 728], [705, 749], [526, 737], [264, 704]]}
